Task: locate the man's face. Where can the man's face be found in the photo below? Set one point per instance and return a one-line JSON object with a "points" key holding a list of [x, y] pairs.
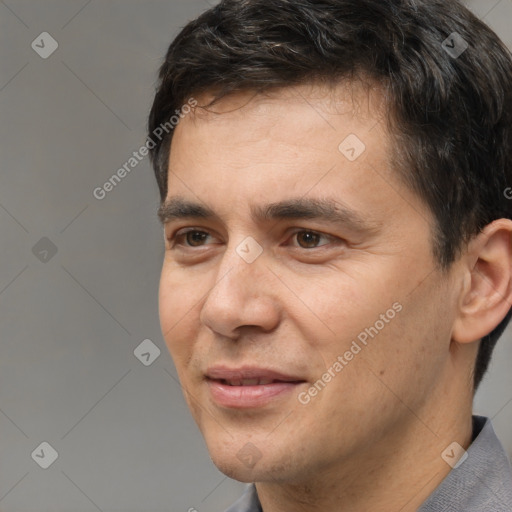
{"points": [[256, 311]]}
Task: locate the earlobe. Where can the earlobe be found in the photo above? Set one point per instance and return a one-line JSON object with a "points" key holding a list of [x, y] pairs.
{"points": [[487, 291]]}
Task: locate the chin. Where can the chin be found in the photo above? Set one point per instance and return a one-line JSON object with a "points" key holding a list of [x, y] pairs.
{"points": [[247, 456], [236, 470], [248, 465]]}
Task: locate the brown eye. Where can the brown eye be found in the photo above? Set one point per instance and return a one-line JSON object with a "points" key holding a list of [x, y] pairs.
{"points": [[195, 238], [190, 238], [309, 239]]}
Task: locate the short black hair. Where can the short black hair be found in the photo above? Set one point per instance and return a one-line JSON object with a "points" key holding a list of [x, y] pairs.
{"points": [[447, 77]]}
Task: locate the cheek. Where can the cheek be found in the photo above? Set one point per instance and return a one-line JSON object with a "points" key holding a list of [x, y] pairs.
{"points": [[330, 299], [378, 327], [176, 302], [406, 357], [347, 307]]}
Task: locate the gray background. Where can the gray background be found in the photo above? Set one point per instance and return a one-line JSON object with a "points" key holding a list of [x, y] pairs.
{"points": [[70, 321]]}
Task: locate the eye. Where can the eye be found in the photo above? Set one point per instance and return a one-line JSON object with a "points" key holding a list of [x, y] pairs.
{"points": [[308, 239], [192, 238]]}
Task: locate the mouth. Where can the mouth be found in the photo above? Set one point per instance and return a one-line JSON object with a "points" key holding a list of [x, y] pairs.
{"points": [[249, 387], [251, 382]]}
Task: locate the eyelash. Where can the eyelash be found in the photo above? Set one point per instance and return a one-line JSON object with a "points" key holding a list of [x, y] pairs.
{"points": [[173, 239]]}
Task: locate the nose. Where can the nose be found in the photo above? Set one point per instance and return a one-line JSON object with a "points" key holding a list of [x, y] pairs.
{"points": [[243, 295]]}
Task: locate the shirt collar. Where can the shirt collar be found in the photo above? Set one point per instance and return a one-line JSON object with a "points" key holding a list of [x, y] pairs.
{"points": [[482, 482]]}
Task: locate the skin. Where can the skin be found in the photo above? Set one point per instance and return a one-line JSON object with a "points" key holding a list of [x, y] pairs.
{"points": [[407, 394]]}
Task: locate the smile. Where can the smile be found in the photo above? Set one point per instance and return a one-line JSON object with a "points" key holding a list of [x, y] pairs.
{"points": [[249, 387]]}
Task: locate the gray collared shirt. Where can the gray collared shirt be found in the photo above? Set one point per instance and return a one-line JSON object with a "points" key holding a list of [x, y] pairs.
{"points": [[482, 483]]}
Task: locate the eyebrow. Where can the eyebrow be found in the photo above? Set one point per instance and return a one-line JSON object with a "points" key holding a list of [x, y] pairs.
{"points": [[328, 210]]}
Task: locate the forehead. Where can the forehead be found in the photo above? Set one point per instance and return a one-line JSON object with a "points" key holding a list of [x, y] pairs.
{"points": [[283, 125], [360, 99], [309, 140]]}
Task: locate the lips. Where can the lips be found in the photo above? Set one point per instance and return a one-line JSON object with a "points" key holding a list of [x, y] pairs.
{"points": [[249, 376], [249, 386], [247, 382]]}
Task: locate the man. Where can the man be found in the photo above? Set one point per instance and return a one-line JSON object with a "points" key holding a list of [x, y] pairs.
{"points": [[338, 248]]}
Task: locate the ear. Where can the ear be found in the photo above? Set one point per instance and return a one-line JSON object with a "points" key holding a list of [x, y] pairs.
{"points": [[487, 292]]}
